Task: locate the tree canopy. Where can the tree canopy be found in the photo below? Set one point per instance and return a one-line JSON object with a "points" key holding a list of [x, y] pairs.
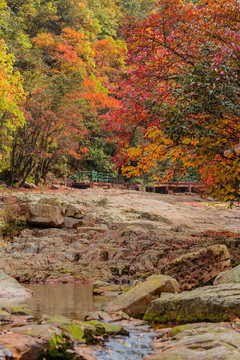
{"points": [[181, 93], [136, 86]]}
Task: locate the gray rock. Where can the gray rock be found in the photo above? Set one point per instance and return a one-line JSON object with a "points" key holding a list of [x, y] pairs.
{"points": [[10, 288], [98, 315], [230, 276], [209, 303], [202, 341], [31, 248], [135, 301], [74, 211], [28, 185]]}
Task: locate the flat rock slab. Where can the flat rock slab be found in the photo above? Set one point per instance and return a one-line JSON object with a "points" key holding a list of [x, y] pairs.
{"points": [[202, 341], [230, 276], [135, 301], [98, 229], [200, 267], [209, 303], [10, 288]]}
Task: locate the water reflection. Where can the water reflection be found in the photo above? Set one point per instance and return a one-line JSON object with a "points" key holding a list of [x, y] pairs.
{"points": [[70, 300], [74, 301]]}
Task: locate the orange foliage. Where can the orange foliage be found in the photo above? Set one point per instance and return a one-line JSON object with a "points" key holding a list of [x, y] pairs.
{"points": [[180, 93]]}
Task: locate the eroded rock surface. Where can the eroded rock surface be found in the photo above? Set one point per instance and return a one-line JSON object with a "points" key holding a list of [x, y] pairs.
{"points": [[209, 303], [135, 301], [200, 267], [202, 341], [116, 235]]}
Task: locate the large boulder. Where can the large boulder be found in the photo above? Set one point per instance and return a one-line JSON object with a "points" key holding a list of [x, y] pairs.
{"points": [[54, 201], [202, 341], [209, 303], [45, 215], [230, 276], [198, 268], [10, 288], [29, 342], [135, 301]]}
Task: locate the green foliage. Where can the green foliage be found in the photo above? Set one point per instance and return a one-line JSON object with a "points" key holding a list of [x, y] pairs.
{"points": [[69, 51], [72, 53], [108, 15], [138, 8]]}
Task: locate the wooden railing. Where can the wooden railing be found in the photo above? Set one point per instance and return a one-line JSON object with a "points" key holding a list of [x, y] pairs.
{"points": [[95, 176]]}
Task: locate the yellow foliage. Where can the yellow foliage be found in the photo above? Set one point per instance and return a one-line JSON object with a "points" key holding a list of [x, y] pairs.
{"points": [[11, 96]]}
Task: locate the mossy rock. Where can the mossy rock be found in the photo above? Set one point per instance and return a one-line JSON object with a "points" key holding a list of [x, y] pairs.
{"points": [[58, 349], [209, 303], [77, 332], [109, 328], [102, 290], [52, 341], [42, 331], [85, 332], [17, 309], [58, 319], [5, 318], [73, 328], [178, 329]]}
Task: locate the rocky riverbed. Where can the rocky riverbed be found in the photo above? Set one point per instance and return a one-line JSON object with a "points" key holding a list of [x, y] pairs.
{"points": [[113, 234], [171, 260]]}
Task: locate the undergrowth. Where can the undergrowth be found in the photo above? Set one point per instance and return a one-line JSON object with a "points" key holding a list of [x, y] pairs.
{"points": [[13, 219]]}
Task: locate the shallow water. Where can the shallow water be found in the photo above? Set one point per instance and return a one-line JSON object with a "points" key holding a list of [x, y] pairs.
{"points": [[134, 347], [74, 301], [70, 300]]}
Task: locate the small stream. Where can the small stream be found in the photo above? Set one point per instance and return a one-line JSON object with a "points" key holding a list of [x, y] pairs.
{"points": [[74, 301], [134, 347]]}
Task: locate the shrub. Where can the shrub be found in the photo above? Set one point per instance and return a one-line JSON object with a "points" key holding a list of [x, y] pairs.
{"points": [[14, 219]]}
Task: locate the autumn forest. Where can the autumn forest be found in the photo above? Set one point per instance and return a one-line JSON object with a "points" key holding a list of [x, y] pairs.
{"points": [[147, 89]]}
